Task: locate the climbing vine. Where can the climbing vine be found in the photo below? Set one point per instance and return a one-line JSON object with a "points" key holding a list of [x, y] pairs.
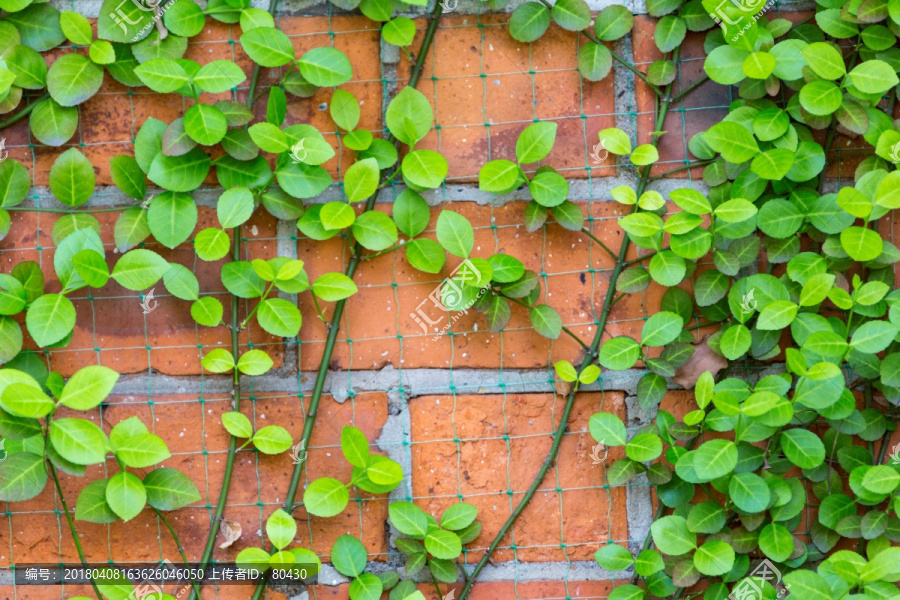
{"points": [[795, 385]]}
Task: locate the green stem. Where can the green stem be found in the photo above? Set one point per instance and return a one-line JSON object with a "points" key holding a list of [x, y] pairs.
{"points": [[255, 308], [22, 113], [382, 252], [597, 240], [640, 259], [570, 400], [232, 443], [690, 88], [184, 559], [692, 165], [356, 257], [565, 329], [62, 500], [318, 308]]}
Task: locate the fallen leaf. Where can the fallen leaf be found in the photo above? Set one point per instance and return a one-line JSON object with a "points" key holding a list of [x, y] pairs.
{"points": [[562, 387], [231, 531], [703, 360]]}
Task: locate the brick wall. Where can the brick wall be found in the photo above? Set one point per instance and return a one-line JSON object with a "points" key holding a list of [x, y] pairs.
{"points": [[470, 415]]}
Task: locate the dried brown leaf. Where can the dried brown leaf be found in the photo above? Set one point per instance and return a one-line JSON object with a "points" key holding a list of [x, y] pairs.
{"points": [[703, 360], [231, 531]]}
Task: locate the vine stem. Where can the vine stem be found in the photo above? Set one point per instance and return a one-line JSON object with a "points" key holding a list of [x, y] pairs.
{"points": [[310, 420], [694, 164], [236, 382], [599, 242], [62, 500], [165, 521], [661, 112], [22, 113]]}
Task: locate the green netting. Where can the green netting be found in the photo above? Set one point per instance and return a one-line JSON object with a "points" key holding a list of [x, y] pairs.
{"points": [[260, 482]]}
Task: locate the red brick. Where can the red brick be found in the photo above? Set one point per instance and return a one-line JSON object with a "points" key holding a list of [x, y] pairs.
{"points": [[484, 466]]}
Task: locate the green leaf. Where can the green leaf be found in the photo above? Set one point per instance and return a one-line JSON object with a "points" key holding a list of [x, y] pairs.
{"points": [[594, 61], [825, 60], [88, 387], [735, 211], [219, 76], [614, 557], [50, 318], [409, 116], [455, 233], [254, 363], [424, 168], [499, 176], [861, 244], [535, 142], [619, 353], [644, 154], [383, 471], [325, 497], [669, 33], [571, 15], [22, 477], [268, 137], [26, 401], [236, 423], [72, 178], [715, 458], [142, 450], [546, 321], [672, 536], [281, 529], [874, 336], [171, 218], [211, 244], [267, 46], [529, 22], [662, 328], [873, 77], [332, 287], [169, 489], [714, 557], [375, 230], [355, 446], [234, 207], [821, 97], [616, 141], [205, 124], [127, 175], [399, 31], [325, 67], [78, 441], [803, 448], [162, 75], [613, 22], [272, 439], [458, 516], [72, 79], [361, 180], [92, 506], [179, 173], [443, 544], [349, 556], [279, 317], [139, 269], [76, 27], [125, 495], [732, 141], [409, 519], [344, 106], [607, 429], [15, 182], [777, 315]]}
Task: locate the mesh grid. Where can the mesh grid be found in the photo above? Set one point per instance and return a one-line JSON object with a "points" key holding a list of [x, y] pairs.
{"points": [[543, 75]]}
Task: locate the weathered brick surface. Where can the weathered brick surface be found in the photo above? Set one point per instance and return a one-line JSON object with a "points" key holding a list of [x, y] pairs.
{"points": [[111, 327], [488, 449]]}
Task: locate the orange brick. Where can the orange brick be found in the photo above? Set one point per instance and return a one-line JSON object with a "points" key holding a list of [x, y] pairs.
{"points": [[484, 467]]}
